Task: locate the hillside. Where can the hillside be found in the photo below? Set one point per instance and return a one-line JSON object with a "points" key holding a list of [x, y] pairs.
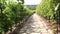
{"points": [[31, 6]]}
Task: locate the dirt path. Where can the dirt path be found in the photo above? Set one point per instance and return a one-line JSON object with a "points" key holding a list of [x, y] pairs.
{"points": [[36, 25]]}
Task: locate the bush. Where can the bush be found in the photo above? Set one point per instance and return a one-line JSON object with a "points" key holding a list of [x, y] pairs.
{"points": [[47, 9], [10, 14]]}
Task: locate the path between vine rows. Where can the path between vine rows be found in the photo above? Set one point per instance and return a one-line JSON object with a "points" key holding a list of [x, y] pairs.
{"points": [[36, 25]]}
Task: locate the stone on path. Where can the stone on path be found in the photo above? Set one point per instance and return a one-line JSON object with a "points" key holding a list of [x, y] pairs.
{"points": [[36, 25]]}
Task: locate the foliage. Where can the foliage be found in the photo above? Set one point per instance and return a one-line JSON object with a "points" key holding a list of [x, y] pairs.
{"points": [[10, 13], [51, 10], [47, 9]]}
